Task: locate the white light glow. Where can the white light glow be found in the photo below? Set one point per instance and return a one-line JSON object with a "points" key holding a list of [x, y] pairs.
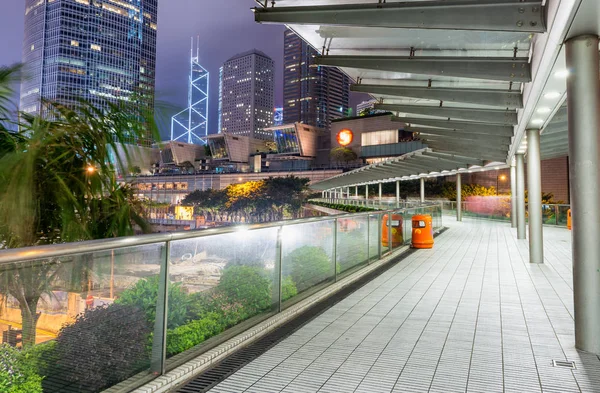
{"points": [[552, 95], [561, 74], [537, 121], [544, 110]]}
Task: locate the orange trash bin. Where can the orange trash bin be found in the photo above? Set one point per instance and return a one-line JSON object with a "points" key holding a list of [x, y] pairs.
{"points": [[397, 237], [569, 224], [422, 231]]}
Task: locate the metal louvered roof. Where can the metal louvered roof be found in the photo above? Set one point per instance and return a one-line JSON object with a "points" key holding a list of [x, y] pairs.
{"points": [[462, 74]]}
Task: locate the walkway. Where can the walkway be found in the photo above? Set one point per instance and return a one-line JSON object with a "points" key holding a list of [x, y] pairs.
{"points": [[470, 315]]}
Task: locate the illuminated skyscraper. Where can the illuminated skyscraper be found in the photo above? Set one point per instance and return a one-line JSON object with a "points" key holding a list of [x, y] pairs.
{"points": [[95, 50], [191, 124], [246, 97], [277, 116], [311, 95]]}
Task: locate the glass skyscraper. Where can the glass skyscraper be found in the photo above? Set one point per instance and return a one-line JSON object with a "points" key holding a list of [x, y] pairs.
{"points": [[311, 95], [96, 50], [246, 95]]}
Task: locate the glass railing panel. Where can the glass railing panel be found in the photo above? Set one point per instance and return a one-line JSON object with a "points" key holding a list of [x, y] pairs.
{"points": [[561, 214], [74, 323], [374, 236], [353, 246], [217, 282], [307, 256]]}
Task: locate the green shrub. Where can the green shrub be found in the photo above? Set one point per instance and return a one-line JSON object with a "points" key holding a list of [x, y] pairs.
{"points": [[144, 295], [193, 333], [104, 346], [17, 373], [246, 285], [288, 288], [308, 266]]}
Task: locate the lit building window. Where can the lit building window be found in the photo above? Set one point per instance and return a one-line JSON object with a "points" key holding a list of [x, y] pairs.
{"points": [[96, 47]]}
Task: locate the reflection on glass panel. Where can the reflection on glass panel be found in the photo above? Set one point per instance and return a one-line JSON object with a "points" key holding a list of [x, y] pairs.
{"points": [[352, 242], [78, 319], [217, 282], [374, 236], [287, 140], [379, 137], [306, 256], [218, 148]]}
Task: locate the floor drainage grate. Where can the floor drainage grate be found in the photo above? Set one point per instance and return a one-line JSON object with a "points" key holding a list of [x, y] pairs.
{"points": [[563, 363], [210, 378]]}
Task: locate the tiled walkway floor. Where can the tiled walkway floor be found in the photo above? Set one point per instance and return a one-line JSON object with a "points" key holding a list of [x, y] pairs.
{"points": [[470, 315]]}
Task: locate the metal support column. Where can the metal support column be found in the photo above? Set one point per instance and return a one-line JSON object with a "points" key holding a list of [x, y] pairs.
{"points": [[534, 193], [458, 197], [520, 161], [380, 193], [367, 193], [513, 194], [397, 194], [356, 191], [422, 190], [583, 102]]}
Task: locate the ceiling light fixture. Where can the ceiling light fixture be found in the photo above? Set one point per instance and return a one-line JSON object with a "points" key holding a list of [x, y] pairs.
{"points": [[544, 110], [552, 95], [561, 74]]}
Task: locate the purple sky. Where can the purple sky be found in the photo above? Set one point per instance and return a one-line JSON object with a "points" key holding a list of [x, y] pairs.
{"points": [[226, 27]]}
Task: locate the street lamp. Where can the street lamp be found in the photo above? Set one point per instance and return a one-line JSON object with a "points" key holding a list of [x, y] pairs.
{"points": [[499, 177], [90, 169]]}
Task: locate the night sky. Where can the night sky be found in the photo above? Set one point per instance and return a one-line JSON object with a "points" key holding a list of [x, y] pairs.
{"points": [[225, 27]]}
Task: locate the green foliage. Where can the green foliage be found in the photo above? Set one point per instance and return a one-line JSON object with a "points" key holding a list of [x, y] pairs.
{"points": [[104, 346], [246, 285], [449, 191], [17, 374], [288, 288], [193, 333], [308, 266], [342, 154], [144, 296], [342, 207]]}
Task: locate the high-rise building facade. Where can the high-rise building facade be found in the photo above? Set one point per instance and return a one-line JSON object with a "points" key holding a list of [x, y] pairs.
{"points": [[246, 96], [96, 50], [311, 95]]}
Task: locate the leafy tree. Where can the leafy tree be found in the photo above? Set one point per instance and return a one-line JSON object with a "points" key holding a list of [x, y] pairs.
{"points": [[104, 346], [342, 154], [58, 184]]}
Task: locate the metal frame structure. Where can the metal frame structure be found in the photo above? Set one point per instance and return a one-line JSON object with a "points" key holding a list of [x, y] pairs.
{"points": [[191, 124]]}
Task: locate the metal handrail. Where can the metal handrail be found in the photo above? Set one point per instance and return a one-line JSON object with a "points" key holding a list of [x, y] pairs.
{"points": [[67, 249]]}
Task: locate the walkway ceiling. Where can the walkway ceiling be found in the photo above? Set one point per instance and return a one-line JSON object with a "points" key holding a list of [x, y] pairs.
{"points": [[460, 73]]}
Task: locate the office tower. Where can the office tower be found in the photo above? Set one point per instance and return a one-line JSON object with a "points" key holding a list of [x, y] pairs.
{"points": [[96, 50], [277, 116], [246, 95], [311, 95], [191, 124]]}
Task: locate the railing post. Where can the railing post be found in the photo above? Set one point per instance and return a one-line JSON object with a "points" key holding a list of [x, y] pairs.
{"points": [[379, 232], [368, 238], [278, 274], [334, 254], [159, 342], [390, 237], [556, 210]]}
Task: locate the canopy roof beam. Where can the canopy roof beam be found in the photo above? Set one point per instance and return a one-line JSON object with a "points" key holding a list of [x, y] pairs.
{"points": [[466, 160], [477, 140], [457, 135], [482, 115], [491, 68], [500, 98], [494, 129], [482, 15]]}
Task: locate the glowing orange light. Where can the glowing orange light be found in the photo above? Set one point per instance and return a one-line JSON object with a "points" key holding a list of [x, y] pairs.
{"points": [[502, 177], [90, 169], [344, 137]]}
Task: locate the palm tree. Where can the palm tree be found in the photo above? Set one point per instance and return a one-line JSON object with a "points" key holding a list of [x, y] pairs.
{"points": [[58, 184]]}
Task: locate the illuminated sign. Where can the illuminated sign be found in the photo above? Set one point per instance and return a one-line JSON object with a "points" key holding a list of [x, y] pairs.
{"points": [[345, 137]]}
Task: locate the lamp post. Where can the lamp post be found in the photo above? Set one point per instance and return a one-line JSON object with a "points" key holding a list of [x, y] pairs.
{"points": [[499, 177]]}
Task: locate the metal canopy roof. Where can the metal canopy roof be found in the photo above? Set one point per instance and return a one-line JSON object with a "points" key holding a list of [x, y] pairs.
{"points": [[454, 71], [420, 163]]}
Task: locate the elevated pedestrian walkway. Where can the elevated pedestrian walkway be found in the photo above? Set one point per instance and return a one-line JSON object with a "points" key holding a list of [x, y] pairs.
{"points": [[470, 315]]}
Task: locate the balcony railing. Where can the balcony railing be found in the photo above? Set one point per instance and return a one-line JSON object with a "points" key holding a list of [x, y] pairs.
{"points": [[380, 204], [126, 310]]}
